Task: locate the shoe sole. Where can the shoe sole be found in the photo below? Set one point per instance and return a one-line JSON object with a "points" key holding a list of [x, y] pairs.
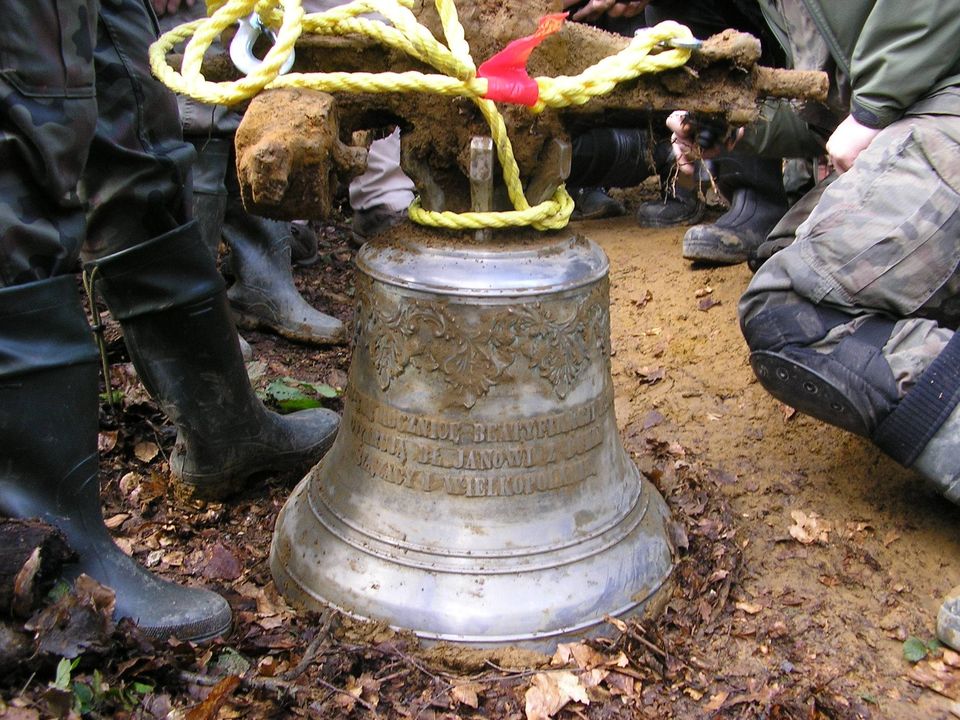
{"points": [[716, 255], [249, 321], [807, 391], [226, 482], [692, 220]]}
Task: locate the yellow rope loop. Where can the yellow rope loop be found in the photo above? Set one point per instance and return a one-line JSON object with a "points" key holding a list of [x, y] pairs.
{"points": [[629, 63], [553, 214], [404, 33], [190, 80]]}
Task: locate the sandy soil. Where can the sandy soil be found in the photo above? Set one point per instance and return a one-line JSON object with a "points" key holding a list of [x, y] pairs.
{"points": [[885, 547]]}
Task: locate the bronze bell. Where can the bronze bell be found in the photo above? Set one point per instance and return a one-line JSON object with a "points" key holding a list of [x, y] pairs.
{"points": [[478, 492]]}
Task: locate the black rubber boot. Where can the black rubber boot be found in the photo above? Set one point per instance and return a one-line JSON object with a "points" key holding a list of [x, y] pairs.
{"points": [[172, 308], [610, 157], [754, 188], [263, 295], [605, 158], [210, 200], [785, 231], [48, 456]]}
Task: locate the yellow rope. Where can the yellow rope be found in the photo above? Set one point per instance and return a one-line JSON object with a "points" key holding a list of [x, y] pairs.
{"points": [[453, 63]]}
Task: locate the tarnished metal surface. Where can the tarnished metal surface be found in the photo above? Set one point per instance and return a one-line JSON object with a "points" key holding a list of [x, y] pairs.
{"points": [[478, 491]]}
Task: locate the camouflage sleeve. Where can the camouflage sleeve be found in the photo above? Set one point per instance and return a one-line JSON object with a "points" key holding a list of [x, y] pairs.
{"points": [[905, 50]]}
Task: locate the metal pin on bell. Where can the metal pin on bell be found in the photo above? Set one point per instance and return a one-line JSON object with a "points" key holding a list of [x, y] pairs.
{"points": [[481, 180]]}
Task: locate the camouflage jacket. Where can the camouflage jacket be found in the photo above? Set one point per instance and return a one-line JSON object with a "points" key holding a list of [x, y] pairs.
{"points": [[885, 59], [894, 55]]}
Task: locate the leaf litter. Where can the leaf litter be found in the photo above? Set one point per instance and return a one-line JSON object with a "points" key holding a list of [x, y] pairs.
{"points": [[278, 662]]}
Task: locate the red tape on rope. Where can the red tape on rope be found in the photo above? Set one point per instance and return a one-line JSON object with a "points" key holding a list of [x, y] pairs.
{"points": [[506, 72]]}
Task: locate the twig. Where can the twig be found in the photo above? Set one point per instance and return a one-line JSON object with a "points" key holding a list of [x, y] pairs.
{"points": [[647, 644], [272, 685], [509, 674], [310, 654], [403, 656]]}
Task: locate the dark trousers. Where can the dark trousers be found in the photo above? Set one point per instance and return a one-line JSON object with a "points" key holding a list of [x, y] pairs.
{"points": [[91, 155]]}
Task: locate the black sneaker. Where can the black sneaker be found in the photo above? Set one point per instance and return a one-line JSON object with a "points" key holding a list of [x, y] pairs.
{"points": [[593, 203]]}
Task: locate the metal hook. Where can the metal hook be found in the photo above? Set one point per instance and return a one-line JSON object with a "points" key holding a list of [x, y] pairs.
{"points": [[241, 47], [692, 44]]}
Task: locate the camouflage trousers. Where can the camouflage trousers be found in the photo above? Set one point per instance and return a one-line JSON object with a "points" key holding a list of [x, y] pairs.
{"points": [[91, 155], [869, 293]]}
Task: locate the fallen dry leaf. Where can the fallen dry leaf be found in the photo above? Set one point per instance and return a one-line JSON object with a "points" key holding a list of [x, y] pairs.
{"points": [[937, 676], [107, 441], [146, 451], [621, 684], [808, 529], [467, 694], [115, 521], [716, 701], [551, 691], [220, 563], [748, 608], [219, 694]]}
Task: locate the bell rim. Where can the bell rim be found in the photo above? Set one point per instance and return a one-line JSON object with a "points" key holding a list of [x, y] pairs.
{"points": [[563, 264]]}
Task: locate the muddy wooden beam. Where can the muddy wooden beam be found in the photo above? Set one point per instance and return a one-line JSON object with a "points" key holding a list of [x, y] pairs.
{"points": [[293, 147]]}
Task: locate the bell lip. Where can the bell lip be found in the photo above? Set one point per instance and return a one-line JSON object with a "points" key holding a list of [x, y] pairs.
{"points": [[553, 265], [660, 590], [420, 557]]}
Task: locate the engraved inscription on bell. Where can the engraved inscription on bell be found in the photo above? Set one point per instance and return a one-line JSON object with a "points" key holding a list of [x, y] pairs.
{"points": [[516, 457]]}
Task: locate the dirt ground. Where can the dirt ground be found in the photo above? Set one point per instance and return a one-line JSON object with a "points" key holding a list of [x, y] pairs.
{"points": [[810, 566], [885, 549]]}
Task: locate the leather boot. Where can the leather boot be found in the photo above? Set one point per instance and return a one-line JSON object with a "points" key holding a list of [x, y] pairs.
{"points": [[170, 302], [48, 456], [754, 188], [681, 203], [263, 294]]}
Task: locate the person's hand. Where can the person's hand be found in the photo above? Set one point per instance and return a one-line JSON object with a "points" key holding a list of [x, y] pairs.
{"points": [[690, 144], [169, 7], [594, 9], [848, 141]]}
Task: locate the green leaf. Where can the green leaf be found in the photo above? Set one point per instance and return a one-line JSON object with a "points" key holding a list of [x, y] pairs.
{"points": [[324, 390], [114, 397], [290, 399], [65, 667], [142, 688], [914, 649], [83, 697], [321, 389], [60, 590]]}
